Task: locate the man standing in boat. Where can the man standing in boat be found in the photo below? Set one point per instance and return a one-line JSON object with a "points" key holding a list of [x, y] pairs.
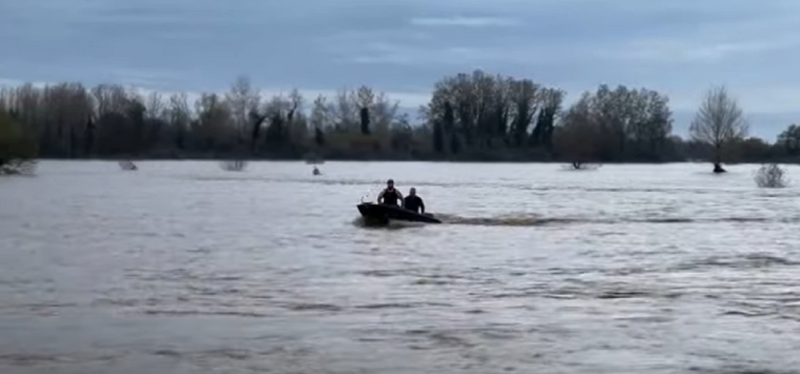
{"points": [[390, 195]]}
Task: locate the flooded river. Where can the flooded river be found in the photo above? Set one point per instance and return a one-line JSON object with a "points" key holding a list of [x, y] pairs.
{"points": [[181, 267]]}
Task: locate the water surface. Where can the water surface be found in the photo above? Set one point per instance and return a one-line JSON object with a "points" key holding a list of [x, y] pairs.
{"points": [[181, 267]]}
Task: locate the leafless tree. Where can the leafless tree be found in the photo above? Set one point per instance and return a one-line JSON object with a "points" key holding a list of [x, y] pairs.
{"points": [[180, 113], [320, 115], [242, 100], [296, 119], [344, 110], [718, 122], [156, 108], [296, 104], [110, 98]]}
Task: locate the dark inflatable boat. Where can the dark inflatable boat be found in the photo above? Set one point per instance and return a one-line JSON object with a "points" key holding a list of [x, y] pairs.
{"points": [[379, 213]]}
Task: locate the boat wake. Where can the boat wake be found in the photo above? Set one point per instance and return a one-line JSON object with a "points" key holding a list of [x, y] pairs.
{"points": [[532, 220], [506, 220], [449, 219]]}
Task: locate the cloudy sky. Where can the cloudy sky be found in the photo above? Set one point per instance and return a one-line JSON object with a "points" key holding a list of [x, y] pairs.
{"points": [[679, 47]]}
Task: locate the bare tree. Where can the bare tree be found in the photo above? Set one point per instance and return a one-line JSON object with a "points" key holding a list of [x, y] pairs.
{"points": [[156, 107], [296, 101], [242, 100], [110, 98], [320, 115], [296, 119], [718, 122], [381, 116], [344, 110]]}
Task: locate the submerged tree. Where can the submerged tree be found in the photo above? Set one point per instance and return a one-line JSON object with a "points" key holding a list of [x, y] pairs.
{"points": [[576, 137], [718, 122], [17, 149], [233, 165]]}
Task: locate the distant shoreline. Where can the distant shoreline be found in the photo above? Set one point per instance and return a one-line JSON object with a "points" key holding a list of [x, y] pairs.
{"points": [[388, 160]]}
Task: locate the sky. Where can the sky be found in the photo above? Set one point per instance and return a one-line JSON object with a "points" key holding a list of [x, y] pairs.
{"points": [[402, 47]]}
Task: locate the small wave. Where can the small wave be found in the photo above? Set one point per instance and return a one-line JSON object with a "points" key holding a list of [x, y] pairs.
{"points": [[29, 359], [228, 353], [624, 294], [736, 369], [475, 311], [440, 338], [126, 303], [167, 353], [423, 276], [314, 306], [668, 220], [48, 360], [582, 292], [179, 275], [385, 273], [408, 305], [744, 313], [178, 313], [431, 282], [436, 337], [47, 305], [224, 353], [746, 261]]}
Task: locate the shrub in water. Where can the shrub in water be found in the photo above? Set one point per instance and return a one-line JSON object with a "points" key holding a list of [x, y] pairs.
{"points": [[233, 165], [771, 176], [18, 167], [127, 165]]}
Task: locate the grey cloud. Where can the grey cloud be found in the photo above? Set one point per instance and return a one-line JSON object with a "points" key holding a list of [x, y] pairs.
{"points": [[678, 46]]}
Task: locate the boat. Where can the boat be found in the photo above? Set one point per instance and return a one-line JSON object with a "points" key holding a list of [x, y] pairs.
{"points": [[381, 213]]}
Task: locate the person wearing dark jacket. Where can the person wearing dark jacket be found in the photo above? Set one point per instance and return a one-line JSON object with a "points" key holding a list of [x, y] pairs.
{"points": [[390, 195], [413, 202]]}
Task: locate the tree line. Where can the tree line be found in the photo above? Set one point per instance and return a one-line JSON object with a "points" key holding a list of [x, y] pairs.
{"points": [[471, 116]]}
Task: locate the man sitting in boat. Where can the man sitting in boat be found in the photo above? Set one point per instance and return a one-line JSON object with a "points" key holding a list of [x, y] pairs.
{"points": [[413, 202], [390, 196]]}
